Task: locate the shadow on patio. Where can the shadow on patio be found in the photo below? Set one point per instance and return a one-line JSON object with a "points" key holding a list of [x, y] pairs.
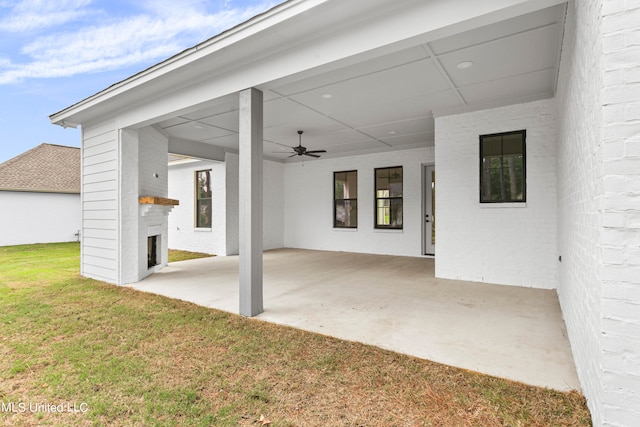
{"points": [[394, 303]]}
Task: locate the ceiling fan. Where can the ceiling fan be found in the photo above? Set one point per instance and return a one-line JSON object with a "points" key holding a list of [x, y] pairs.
{"points": [[300, 150]]}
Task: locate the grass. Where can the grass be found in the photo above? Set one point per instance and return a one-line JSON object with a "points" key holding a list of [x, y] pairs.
{"points": [[126, 358], [177, 255]]}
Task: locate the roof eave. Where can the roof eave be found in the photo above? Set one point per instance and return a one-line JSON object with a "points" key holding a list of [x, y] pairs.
{"points": [[31, 190], [78, 113]]}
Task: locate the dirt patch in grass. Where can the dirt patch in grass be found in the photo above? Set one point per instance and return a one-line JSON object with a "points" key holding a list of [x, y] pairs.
{"points": [[139, 359]]}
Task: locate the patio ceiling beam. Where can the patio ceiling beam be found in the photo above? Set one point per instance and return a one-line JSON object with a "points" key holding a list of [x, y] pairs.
{"points": [[194, 149], [250, 203]]}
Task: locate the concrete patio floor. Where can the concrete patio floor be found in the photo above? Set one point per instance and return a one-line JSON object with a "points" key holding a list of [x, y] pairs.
{"points": [[394, 303]]}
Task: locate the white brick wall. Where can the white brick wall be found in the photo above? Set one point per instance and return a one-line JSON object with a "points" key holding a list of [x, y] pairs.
{"points": [[273, 199], [579, 195], [222, 238], [183, 233], [512, 244], [153, 178], [620, 232], [309, 204], [598, 103], [232, 163]]}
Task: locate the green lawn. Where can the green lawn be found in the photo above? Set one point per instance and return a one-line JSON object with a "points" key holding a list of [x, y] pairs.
{"points": [[127, 358]]}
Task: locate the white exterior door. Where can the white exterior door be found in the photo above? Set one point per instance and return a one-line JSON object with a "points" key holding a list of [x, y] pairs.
{"points": [[429, 198]]}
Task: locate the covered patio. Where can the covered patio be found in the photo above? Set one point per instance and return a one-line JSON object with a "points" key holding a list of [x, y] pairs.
{"points": [[395, 303]]}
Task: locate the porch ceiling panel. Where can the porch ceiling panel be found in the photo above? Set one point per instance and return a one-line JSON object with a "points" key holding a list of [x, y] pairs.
{"points": [[410, 140], [535, 85], [227, 120], [359, 147], [314, 138], [287, 114], [519, 24], [410, 127], [387, 111], [503, 58], [371, 66], [388, 101], [400, 82]]}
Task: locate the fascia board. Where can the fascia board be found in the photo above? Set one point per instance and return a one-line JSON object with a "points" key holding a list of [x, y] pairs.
{"points": [[270, 18]]}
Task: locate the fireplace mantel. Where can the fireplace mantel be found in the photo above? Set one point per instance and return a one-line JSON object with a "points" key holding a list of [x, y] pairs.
{"points": [[153, 200], [153, 204]]}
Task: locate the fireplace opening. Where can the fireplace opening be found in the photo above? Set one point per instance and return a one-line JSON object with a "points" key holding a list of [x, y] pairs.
{"points": [[152, 251]]}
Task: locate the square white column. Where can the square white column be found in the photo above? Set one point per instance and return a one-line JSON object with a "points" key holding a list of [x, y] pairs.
{"points": [[250, 203]]}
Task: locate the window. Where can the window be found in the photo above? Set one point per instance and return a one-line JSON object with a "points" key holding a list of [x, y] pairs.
{"points": [[203, 199], [388, 197], [503, 167], [345, 199]]}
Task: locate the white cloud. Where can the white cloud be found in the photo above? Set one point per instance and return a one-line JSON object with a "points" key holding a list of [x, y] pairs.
{"points": [[134, 40], [31, 15]]}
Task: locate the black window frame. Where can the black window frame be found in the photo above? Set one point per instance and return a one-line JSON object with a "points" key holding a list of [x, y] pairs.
{"points": [[390, 198], [350, 200], [199, 199], [481, 182]]}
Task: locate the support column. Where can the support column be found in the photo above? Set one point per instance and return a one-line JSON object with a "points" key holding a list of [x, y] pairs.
{"points": [[250, 203]]}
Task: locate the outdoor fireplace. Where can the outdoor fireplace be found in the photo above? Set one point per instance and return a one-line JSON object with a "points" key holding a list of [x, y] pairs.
{"points": [[152, 251], [153, 226]]}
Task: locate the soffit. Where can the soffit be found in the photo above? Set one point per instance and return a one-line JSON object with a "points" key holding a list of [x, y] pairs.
{"points": [[388, 102]]}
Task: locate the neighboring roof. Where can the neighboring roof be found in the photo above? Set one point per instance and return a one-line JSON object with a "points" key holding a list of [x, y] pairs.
{"points": [[47, 168]]}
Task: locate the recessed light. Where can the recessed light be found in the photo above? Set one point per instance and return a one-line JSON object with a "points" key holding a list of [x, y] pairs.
{"points": [[326, 95], [464, 65], [198, 126], [392, 132]]}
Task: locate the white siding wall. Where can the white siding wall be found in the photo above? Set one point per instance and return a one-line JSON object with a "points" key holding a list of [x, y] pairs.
{"points": [[222, 238], [99, 247], [28, 217], [511, 244], [308, 204], [620, 234]]}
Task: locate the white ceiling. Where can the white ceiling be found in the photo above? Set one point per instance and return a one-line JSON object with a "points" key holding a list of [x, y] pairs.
{"points": [[388, 103]]}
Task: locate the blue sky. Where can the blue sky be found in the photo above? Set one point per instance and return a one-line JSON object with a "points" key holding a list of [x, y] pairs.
{"points": [[54, 53]]}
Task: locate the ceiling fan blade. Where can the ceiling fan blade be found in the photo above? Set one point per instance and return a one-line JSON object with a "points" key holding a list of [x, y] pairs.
{"points": [[294, 154], [317, 151], [310, 155]]}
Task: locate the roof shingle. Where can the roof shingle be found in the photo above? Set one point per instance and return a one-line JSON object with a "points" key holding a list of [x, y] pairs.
{"points": [[45, 168]]}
